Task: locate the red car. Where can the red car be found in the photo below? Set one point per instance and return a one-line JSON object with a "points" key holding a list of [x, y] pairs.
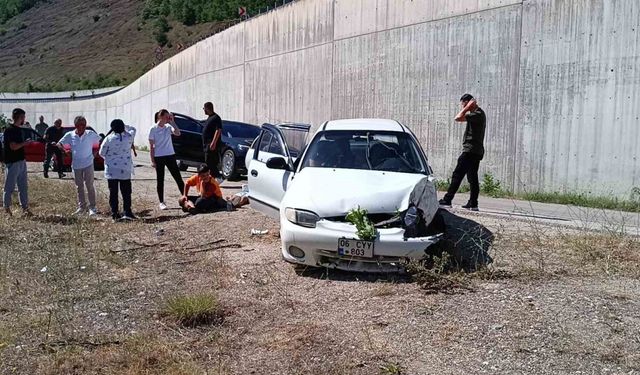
{"points": [[35, 150]]}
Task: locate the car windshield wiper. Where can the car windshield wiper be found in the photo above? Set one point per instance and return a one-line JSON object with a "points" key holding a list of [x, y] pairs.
{"points": [[402, 158], [368, 154]]}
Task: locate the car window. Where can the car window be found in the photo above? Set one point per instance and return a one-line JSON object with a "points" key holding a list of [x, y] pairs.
{"points": [[275, 147], [265, 141], [369, 150], [239, 130], [187, 125]]}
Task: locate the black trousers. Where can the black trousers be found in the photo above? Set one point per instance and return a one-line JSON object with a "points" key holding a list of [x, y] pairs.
{"points": [[168, 161], [53, 150], [125, 190], [212, 159], [207, 204], [468, 164]]}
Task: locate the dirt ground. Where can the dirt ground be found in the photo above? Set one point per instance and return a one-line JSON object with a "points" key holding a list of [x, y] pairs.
{"points": [[88, 296]]}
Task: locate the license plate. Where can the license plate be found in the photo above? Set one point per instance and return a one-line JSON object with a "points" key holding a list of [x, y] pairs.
{"points": [[355, 248]]}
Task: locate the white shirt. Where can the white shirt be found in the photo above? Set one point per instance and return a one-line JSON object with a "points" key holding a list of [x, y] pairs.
{"points": [[116, 151], [81, 147], [161, 137]]}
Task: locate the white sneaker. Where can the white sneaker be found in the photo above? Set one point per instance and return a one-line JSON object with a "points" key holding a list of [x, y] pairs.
{"points": [[162, 206], [93, 212], [79, 211]]}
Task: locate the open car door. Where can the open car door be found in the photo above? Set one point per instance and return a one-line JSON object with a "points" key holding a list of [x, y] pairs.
{"points": [[271, 164]]}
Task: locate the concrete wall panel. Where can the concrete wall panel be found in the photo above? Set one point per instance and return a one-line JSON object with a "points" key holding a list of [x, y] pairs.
{"points": [[357, 17], [290, 87], [298, 25], [417, 74], [580, 96]]}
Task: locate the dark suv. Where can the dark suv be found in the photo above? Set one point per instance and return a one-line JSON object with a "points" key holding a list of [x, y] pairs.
{"points": [[236, 136]]}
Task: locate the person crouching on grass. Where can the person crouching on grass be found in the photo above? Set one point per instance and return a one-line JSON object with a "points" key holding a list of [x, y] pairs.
{"points": [[81, 141], [116, 152], [210, 198]]}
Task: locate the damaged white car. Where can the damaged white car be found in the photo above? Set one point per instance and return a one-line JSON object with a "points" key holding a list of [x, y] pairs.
{"points": [[358, 197]]}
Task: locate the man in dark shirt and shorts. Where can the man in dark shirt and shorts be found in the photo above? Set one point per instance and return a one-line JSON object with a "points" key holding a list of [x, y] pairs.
{"points": [[16, 166], [212, 140], [52, 136], [472, 152]]}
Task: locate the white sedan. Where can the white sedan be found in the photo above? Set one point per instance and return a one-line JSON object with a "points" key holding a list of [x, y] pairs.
{"points": [[358, 164]]}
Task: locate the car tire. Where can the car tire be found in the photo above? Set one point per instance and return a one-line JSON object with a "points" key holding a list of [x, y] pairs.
{"points": [[182, 165], [228, 164]]}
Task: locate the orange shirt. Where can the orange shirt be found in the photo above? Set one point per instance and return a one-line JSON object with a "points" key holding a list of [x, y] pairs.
{"points": [[206, 189]]}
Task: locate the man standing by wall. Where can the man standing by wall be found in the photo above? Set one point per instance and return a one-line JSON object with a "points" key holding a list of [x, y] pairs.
{"points": [[472, 152], [16, 166], [212, 139], [81, 141], [52, 136], [42, 126]]}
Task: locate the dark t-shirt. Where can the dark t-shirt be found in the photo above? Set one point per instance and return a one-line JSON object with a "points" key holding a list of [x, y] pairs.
{"points": [[54, 134], [41, 127], [12, 134], [474, 132], [211, 124]]}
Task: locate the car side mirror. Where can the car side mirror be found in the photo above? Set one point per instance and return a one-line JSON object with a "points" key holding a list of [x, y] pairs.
{"points": [[278, 163]]}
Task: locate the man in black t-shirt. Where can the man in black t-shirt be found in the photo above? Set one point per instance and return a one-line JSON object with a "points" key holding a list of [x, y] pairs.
{"points": [[212, 139], [52, 136], [16, 166], [472, 152], [42, 126]]}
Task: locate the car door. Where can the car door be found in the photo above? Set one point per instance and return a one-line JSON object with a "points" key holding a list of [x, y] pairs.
{"points": [[34, 150], [267, 186], [188, 146]]}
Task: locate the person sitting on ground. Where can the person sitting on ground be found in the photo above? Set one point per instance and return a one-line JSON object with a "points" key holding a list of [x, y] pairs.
{"points": [[210, 198], [116, 151]]}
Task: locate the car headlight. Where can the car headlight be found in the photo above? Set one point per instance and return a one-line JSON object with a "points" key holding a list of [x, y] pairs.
{"points": [[301, 217]]}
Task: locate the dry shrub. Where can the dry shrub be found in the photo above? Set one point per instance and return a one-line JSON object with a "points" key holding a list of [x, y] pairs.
{"points": [[438, 274]]}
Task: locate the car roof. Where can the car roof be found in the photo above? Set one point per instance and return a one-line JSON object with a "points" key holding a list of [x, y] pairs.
{"points": [[365, 124]]}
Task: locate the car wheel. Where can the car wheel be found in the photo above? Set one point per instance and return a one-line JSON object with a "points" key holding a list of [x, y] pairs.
{"points": [[182, 165], [229, 164]]}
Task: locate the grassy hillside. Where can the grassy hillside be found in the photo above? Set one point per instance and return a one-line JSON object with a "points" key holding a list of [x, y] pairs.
{"points": [[58, 45]]}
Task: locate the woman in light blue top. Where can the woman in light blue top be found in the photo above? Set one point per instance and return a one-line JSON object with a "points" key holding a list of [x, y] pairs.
{"points": [[116, 151]]}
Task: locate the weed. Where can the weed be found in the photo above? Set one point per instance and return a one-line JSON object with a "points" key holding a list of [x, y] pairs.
{"points": [[491, 186], [195, 310], [365, 229], [391, 369]]}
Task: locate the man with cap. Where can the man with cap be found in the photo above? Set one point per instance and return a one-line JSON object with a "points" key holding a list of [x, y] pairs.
{"points": [[116, 152], [472, 152]]}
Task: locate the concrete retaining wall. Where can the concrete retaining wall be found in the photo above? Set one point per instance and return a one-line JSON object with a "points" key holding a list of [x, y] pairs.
{"points": [[559, 80]]}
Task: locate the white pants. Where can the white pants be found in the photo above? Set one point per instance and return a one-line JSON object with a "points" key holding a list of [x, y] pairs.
{"points": [[84, 177]]}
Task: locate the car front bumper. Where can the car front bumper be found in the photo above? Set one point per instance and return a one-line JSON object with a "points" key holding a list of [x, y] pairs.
{"points": [[320, 246]]}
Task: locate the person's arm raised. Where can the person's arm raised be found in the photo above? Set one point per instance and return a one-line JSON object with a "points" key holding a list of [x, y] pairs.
{"points": [[460, 117]]}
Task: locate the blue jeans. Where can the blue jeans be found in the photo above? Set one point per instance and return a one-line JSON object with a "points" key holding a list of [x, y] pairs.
{"points": [[16, 173]]}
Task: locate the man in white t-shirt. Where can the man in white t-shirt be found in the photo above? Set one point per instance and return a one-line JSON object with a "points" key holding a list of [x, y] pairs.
{"points": [[81, 142]]}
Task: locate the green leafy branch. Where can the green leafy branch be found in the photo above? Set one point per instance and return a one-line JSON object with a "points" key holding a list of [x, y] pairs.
{"points": [[365, 229]]}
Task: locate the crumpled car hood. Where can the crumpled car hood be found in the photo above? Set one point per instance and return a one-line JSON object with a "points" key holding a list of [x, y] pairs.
{"points": [[333, 192]]}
